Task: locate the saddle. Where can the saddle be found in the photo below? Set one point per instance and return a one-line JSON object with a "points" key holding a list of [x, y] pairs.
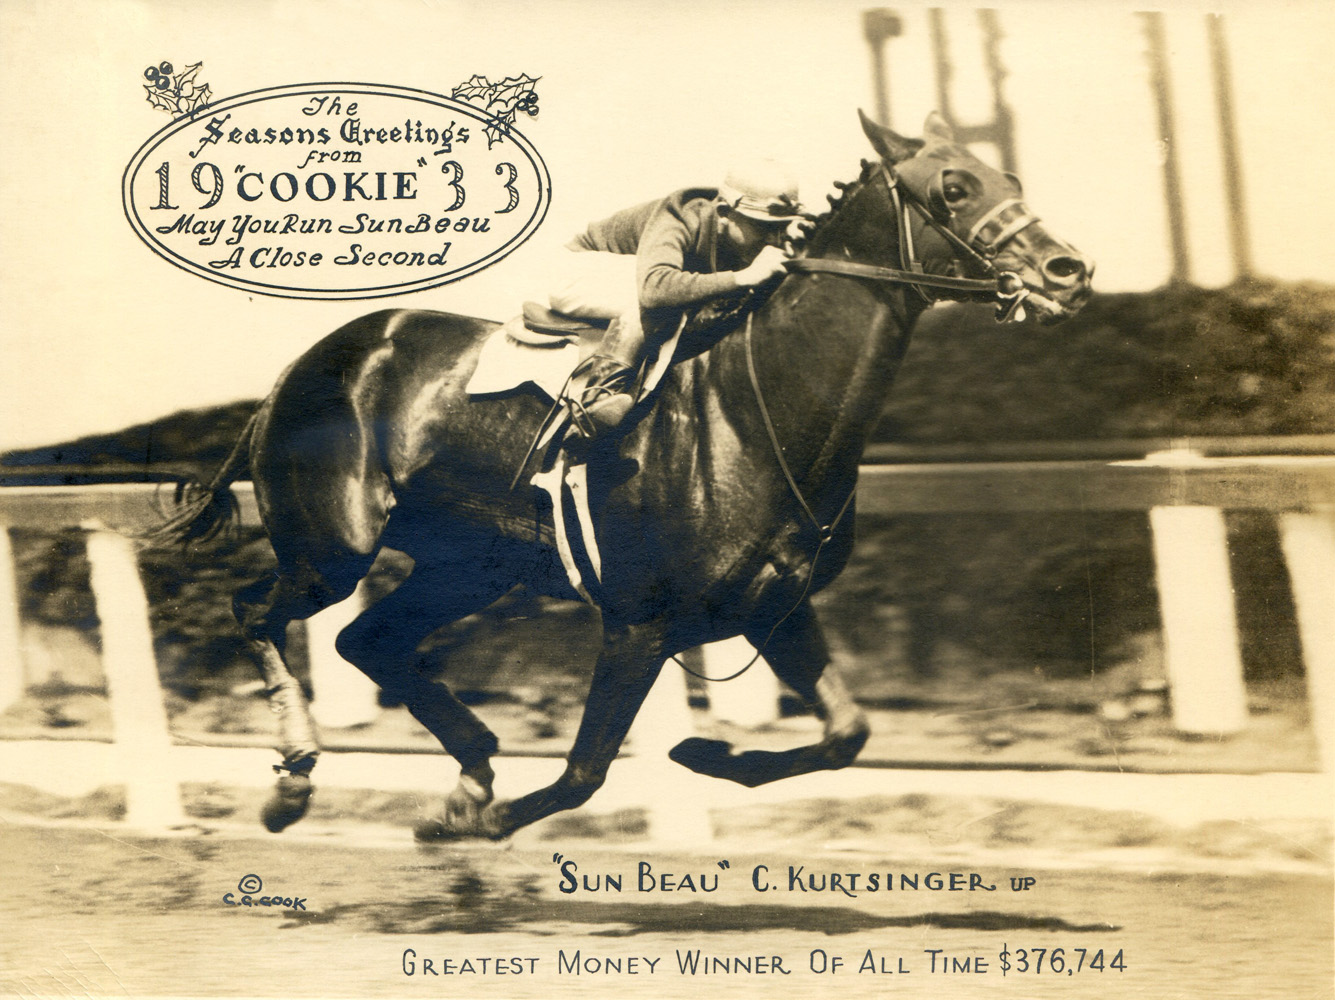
{"points": [[543, 348], [539, 326]]}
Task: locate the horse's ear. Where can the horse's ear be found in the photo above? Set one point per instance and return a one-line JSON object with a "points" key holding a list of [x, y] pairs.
{"points": [[936, 127], [890, 144]]}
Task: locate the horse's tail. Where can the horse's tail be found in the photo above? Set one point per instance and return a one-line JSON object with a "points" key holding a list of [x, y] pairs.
{"points": [[200, 512]]}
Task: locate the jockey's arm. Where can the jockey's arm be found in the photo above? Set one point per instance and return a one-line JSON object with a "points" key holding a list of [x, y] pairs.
{"points": [[664, 282]]}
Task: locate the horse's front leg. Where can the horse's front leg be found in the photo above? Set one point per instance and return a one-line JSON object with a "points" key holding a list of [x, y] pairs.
{"points": [[631, 658], [797, 653]]}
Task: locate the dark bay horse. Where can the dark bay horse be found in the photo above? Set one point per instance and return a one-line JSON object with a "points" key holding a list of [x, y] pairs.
{"points": [[369, 440]]}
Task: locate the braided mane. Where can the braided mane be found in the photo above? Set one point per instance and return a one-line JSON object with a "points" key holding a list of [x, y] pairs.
{"points": [[845, 189]]}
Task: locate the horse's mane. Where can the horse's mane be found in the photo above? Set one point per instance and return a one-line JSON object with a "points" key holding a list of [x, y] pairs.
{"points": [[719, 317]]}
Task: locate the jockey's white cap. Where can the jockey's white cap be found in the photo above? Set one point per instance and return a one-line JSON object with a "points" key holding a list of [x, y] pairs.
{"points": [[762, 189]]}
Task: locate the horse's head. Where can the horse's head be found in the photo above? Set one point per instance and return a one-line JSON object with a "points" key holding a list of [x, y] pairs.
{"points": [[977, 224]]}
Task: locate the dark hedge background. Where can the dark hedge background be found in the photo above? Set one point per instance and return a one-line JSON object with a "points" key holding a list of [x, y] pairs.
{"points": [[1058, 594]]}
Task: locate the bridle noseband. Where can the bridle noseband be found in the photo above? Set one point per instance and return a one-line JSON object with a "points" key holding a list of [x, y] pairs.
{"points": [[985, 240]]}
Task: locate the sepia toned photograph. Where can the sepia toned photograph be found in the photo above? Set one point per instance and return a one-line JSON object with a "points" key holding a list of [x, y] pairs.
{"points": [[742, 499]]}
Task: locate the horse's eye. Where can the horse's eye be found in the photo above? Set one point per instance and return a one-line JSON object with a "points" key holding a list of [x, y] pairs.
{"points": [[954, 193]]}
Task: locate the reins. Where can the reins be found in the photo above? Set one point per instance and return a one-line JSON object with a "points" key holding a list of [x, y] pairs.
{"points": [[825, 532], [853, 269]]}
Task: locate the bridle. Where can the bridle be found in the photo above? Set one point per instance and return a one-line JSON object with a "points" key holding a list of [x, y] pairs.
{"points": [[979, 249]]}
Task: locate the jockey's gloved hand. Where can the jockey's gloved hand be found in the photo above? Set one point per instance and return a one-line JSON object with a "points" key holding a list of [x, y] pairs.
{"points": [[799, 229], [767, 264]]}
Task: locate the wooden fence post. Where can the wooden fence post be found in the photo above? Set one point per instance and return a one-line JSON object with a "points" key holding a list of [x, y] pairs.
{"points": [[676, 813], [749, 700], [344, 696], [138, 715], [12, 680], [1199, 623], [1308, 541]]}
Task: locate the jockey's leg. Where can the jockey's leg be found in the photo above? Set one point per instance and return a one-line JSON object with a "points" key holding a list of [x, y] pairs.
{"points": [[602, 390], [597, 285]]}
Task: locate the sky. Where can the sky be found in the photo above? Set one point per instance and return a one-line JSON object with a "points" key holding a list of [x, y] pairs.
{"points": [[636, 99]]}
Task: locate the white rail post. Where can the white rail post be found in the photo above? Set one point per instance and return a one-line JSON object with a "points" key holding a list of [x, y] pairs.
{"points": [[1308, 541], [138, 715], [12, 680], [1200, 626], [344, 696], [676, 813], [749, 700]]}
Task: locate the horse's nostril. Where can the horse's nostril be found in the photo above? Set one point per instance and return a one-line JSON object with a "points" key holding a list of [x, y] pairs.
{"points": [[1065, 269]]}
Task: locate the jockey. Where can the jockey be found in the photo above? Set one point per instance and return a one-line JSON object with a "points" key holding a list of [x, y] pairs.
{"points": [[641, 267]]}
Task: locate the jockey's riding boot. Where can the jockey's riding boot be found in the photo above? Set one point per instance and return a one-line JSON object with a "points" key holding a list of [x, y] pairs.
{"points": [[604, 400], [602, 390]]}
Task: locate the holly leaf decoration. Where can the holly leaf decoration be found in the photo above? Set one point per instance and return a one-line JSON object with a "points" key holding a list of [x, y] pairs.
{"points": [[163, 100], [503, 100], [177, 95], [495, 132], [512, 90], [189, 105], [478, 89], [187, 75]]}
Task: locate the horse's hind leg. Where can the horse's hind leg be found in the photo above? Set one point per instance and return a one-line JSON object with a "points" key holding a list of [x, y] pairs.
{"points": [[264, 610], [797, 653], [630, 660], [383, 643]]}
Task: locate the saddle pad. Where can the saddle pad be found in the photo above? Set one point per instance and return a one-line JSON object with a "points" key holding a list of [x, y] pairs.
{"points": [[506, 363]]}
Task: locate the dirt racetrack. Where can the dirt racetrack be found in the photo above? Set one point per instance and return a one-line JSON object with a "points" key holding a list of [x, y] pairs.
{"points": [[95, 911]]}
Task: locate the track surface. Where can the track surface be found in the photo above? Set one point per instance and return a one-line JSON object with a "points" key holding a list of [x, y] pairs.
{"points": [[101, 912]]}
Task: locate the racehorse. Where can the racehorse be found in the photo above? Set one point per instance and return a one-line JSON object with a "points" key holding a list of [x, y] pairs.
{"points": [[719, 513]]}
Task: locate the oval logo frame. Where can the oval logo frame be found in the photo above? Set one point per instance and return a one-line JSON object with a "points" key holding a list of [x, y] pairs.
{"points": [[412, 190]]}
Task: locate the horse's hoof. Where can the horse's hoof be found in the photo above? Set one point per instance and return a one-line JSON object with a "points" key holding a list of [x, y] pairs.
{"points": [[496, 822], [844, 747], [435, 831], [289, 802], [484, 824]]}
